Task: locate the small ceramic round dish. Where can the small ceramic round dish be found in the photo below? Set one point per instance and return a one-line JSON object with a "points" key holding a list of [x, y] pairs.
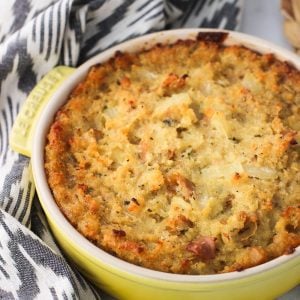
{"points": [[119, 278]]}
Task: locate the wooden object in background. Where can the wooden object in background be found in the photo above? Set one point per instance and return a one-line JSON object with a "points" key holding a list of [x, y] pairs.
{"points": [[291, 12]]}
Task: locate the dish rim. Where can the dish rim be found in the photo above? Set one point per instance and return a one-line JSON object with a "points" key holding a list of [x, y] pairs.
{"points": [[60, 96]]}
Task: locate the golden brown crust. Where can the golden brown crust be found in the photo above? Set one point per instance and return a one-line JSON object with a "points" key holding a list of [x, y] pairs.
{"points": [[182, 158]]}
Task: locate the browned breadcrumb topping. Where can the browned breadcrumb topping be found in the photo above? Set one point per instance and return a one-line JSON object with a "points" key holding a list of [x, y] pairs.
{"points": [[183, 158]]}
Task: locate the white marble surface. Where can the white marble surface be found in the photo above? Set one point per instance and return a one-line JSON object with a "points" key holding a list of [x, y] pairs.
{"points": [[263, 18]]}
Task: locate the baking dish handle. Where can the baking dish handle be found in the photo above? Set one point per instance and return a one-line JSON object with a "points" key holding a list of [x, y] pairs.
{"points": [[21, 136]]}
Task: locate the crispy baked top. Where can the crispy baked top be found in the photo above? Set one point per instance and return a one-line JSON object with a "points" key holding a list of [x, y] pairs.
{"points": [[183, 158]]}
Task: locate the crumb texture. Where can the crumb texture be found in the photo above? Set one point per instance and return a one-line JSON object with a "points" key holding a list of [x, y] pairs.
{"points": [[183, 158]]}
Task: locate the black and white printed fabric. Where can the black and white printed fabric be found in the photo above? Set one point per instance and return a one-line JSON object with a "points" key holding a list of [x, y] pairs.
{"points": [[35, 36]]}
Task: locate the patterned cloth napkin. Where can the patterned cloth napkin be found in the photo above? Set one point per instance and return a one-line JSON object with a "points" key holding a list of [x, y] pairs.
{"points": [[35, 36]]}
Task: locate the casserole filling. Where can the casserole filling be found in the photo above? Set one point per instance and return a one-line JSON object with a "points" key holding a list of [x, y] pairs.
{"points": [[183, 158]]}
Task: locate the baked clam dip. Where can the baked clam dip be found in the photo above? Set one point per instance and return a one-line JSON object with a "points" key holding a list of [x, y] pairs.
{"points": [[182, 158]]}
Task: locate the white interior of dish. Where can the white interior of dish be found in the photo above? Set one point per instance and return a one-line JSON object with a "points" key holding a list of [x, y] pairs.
{"points": [[59, 98]]}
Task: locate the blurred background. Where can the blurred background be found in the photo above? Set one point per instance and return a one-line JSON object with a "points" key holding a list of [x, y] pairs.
{"points": [[263, 18]]}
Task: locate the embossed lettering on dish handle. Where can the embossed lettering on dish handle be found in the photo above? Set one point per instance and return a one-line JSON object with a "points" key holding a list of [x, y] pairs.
{"points": [[21, 137]]}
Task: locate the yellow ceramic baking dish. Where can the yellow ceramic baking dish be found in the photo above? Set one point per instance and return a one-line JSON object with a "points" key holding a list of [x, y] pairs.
{"points": [[119, 278]]}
